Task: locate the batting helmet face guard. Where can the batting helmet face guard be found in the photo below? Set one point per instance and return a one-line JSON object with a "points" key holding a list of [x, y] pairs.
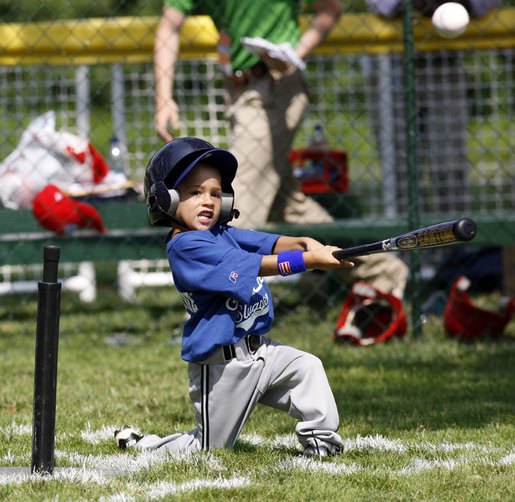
{"points": [[369, 316], [171, 164]]}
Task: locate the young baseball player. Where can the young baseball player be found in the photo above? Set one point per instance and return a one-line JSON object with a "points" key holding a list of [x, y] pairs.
{"points": [[218, 270]]}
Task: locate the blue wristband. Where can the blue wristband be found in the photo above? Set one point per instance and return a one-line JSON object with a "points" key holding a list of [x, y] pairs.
{"points": [[290, 262]]}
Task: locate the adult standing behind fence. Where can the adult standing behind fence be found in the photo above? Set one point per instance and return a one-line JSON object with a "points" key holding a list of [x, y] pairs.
{"points": [[266, 101], [441, 116]]}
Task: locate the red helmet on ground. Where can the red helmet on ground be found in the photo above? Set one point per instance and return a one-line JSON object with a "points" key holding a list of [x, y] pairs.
{"points": [[464, 320], [369, 316]]}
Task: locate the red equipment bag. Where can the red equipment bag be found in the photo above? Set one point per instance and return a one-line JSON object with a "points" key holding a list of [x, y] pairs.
{"points": [[320, 170]]}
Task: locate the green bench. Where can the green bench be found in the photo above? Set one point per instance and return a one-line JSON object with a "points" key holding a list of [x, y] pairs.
{"points": [[130, 236]]}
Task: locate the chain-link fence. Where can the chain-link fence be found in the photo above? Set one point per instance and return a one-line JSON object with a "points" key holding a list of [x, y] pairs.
{"points": [[97, 76]]}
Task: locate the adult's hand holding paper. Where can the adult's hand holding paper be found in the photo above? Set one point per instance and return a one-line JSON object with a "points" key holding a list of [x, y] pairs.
{"points": [[283, 52]]}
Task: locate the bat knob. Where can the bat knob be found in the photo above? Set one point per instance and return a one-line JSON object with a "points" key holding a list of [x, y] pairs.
{"points": [[465, 229]]}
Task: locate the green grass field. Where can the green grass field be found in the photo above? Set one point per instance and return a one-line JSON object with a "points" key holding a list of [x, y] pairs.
{"points": [[429, 419]]}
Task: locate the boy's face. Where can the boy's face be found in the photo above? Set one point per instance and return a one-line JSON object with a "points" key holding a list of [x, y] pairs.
{"points": [[201, 197]]}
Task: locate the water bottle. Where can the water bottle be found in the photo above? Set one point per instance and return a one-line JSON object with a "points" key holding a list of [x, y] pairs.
{"points": [[115, 158], [318, 140]]}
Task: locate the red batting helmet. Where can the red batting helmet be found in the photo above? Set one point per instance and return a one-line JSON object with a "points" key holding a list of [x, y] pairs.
{"points": [[369, 316], [464, 320]]}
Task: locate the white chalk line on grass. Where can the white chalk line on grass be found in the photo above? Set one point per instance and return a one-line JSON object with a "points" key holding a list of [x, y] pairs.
{"points": [[423, 464], [161, 489], [96, 468], [508, 459], [16, 429], [88, 435], [415, 466], [359, 443], [96, 436], [312, 465], [127, 463], [74, 475], [378, 443]]}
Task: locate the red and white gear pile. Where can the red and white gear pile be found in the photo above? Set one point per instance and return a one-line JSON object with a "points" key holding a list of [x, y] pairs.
{"points": [[43, 168]]}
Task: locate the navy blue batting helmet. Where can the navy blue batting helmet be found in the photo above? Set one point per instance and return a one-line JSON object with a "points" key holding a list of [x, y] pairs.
{"points": [[170, 165]]}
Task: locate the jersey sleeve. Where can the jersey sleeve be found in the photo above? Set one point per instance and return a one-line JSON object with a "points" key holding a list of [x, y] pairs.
{"points": [[200, 263], [253, 241]]}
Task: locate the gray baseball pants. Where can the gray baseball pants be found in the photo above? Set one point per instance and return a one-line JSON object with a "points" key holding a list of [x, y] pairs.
{"points": [[225, 393]]}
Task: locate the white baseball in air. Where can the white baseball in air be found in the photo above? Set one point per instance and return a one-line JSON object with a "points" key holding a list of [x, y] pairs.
{"points": [[450, 19]]}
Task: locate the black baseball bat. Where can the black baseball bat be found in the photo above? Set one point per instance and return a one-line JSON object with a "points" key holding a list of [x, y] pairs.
{"points": [[439, 234]]}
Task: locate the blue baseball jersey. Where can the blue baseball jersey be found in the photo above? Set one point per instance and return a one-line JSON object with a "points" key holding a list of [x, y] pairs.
{"points": [[217, 274]]}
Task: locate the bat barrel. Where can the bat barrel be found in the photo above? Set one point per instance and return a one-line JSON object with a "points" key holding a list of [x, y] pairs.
{"points": [[465, 229], [440, 234]]}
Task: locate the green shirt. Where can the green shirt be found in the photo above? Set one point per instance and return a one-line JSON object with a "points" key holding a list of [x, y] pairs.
{"points": [[274, 20]]}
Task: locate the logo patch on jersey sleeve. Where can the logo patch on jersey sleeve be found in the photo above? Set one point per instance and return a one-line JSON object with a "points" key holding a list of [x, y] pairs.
{"points": [[233, 276]]}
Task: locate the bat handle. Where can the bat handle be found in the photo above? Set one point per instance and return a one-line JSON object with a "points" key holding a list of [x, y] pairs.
{"points": [[343, 254], [364, 249], [340, 254]]}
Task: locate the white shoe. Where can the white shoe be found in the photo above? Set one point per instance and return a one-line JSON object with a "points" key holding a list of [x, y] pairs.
{"points": [[126, 437]]}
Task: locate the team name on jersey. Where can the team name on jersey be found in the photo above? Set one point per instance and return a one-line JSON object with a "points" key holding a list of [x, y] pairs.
{"points": [[189, 303], [259, 284], [247, 314]]}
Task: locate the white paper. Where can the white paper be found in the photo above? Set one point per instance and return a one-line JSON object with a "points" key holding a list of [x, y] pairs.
{"points": [[283, 52]]}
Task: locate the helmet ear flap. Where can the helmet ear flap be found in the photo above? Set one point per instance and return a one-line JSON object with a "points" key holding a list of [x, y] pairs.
{"points": [[163, 199], [226, 208], [175, 198]]}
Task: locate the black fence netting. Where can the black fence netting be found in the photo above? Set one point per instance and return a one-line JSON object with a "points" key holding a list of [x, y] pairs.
{"points": [[78, 108]]}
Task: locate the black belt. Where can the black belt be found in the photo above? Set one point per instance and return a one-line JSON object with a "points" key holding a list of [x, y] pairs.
{"points": [[253, 342]]}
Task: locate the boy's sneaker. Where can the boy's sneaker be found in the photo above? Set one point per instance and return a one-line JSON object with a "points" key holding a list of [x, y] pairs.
{"points": [[126, 437], [321, 451]]}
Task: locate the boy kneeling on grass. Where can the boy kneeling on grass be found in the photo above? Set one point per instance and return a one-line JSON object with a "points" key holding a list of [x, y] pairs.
{"points": [[218, 270]]}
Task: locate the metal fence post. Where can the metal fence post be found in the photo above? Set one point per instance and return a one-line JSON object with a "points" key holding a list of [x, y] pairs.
{"points": [[83, 101], [387, 149], [411, 142], [118, 111]]}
